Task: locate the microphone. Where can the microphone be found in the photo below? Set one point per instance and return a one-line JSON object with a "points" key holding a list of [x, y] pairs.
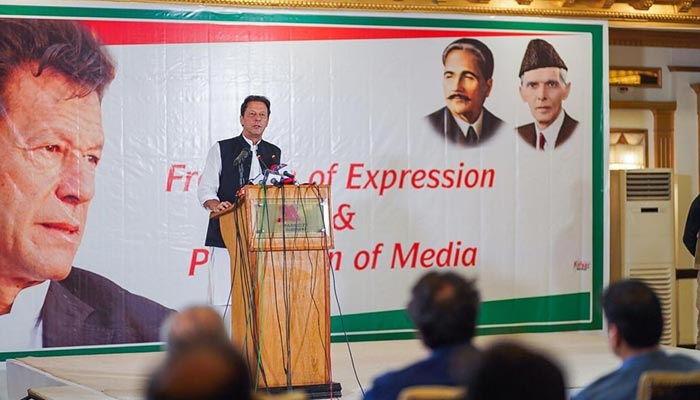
{"points": [[267, 172], [276, 183], [240, 157], [283, 171], [263, 162]]}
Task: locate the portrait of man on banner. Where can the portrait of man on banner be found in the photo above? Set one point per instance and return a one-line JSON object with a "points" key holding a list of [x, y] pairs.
{"points": [[53, 76], [467, 82], [544, 87], [554, 167]]}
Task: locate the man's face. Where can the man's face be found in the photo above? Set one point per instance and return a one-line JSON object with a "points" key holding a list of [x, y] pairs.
{"points": [[544, 92], [254, 121], [51, 145], [464, 85]]}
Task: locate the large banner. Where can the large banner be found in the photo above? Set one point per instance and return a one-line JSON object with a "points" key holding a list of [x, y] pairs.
{"points": [[367, 103]]}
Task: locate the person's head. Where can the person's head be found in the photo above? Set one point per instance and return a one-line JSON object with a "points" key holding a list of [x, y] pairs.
{"points": [[444, 307], [467, 77], [206, 371], [633, 311], [52, 77], [543, 84], [193, 324], [507, 371], [255, 114]]}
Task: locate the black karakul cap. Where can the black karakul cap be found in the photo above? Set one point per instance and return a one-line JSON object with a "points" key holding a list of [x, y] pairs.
{"points": [[540, 54]]}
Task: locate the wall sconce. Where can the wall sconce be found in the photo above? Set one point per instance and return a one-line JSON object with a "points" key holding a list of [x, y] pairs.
{"points": [[635, 76], [628, 149]]}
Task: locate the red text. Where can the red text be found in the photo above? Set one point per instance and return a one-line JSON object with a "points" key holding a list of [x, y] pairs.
{"points": [[453, 255], [387, 179], [177, 172]]}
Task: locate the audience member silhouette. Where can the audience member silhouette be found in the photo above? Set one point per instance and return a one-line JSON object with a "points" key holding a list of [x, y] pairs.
{"points": [[201, 362], [193, 324], [635, 325], [204, 370], [508, 371], [444, 308]]}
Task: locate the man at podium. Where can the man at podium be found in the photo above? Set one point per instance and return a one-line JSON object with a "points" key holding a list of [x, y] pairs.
{"points": [[229, 166]]}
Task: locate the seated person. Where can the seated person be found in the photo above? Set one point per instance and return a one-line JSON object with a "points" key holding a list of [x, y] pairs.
{"points": [[508, 371], [443, 307], [635, 324], [201, 371], [192, 325]]}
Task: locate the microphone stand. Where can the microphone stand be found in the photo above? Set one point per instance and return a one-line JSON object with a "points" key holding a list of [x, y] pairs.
{"points": [[240, 174]]}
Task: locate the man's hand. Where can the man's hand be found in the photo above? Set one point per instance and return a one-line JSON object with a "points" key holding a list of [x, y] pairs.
{"points": [[214, 205]]}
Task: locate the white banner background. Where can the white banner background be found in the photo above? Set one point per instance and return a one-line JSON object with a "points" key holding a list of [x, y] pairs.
{"points": [[356, 103]]}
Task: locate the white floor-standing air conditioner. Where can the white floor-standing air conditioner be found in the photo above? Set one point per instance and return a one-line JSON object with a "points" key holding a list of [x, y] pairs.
{"points": [[647, 237]]}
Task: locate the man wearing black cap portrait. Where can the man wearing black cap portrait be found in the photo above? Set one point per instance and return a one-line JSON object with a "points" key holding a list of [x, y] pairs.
{"points": [[467, 82], [553, 176], [543, 87]]}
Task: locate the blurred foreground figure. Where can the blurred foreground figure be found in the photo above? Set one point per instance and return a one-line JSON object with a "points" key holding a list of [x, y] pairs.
{"points": [[201, 371], [194, 324], [508, 371]]}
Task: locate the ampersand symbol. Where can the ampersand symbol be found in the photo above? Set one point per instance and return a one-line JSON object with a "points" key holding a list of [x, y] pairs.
{"points": [[343, 218]]}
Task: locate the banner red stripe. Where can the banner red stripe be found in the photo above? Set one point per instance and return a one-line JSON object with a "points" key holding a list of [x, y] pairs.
{"points": [[131, 32]]}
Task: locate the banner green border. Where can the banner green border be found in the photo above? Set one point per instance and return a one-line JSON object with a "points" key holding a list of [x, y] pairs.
{"points": [[533, 314], [379, 325]]}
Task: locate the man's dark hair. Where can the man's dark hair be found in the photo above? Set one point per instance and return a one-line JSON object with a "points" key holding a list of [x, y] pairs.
{"points": [[635, 310], [482, 53], [444, 307], [507, 371], [250, 98], [201, 371], [64, 47]]}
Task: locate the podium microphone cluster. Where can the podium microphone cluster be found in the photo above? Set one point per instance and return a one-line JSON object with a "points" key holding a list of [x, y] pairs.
{"points": [[277, 175], [273, 170]]}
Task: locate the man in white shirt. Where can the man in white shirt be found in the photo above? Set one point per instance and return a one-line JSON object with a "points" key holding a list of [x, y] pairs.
{"points": [[230, 164], [543, 87]]}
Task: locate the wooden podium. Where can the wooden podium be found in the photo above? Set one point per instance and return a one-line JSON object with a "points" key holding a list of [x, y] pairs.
{"points": [[278, 240]]}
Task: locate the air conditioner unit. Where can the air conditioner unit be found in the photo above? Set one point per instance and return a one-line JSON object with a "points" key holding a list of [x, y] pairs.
{"points": [[646, 236]]}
